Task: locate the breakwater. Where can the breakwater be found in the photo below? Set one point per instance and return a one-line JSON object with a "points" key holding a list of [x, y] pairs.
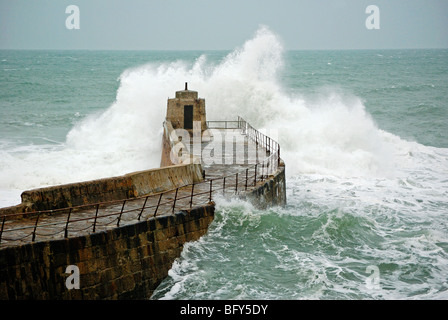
{"points": [[127, 262], [128, 186], [123, 248]]}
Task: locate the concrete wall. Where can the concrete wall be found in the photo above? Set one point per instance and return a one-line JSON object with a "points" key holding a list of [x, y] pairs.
{"points": [[124, 263], [128, 262], [116, 188], [270, 192]]}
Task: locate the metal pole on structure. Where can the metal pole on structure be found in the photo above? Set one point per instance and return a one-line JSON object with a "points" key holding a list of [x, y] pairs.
{"points": [[255, 179], [223, 185], [35, 226], [158, 203], [143, 208], [236, 183], [96, 216], [68, 221], [278, 155], [262, 171], [191, 198], [175, 198], [211, 190], [1, 230], [119, 217]]}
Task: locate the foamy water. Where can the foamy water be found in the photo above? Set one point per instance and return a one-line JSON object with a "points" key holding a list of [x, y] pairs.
{"points": [[358, 195], [328, 134]]}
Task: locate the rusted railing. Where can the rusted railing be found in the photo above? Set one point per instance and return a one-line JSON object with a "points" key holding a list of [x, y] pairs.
{"points": [[112, 214]]}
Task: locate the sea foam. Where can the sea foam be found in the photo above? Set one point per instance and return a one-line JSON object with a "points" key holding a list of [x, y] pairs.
{"points": [[331, 133]]}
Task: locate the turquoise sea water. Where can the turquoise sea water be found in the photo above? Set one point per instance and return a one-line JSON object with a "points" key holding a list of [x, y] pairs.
{"points": [[363, 135]]}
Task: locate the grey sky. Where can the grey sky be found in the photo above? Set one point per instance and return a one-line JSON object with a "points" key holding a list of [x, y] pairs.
{"points": [[225, 24]]}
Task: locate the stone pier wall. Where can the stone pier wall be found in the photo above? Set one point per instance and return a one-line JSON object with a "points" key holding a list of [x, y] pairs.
{"points": [[128, 186], [127, 262], [270, 192]]}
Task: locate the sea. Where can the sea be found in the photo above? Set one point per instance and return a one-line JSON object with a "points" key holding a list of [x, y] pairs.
{"points": [[363, 134]]}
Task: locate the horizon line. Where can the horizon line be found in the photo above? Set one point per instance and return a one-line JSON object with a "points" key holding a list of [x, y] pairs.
{"points": [[218, 50]]}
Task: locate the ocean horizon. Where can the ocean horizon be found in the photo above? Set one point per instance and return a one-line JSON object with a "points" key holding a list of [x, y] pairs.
{"points": [[363, 136]]}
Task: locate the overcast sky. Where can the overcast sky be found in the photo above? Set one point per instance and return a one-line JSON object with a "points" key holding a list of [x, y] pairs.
{"points": [[224, 24]]}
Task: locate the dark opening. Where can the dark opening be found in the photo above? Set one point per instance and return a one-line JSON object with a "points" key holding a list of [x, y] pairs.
{"points": [[188, 117]]}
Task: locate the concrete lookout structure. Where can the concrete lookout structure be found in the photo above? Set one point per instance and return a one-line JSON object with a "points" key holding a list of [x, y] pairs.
{"points": [[185, 120], [117, 237], [186, 109]]}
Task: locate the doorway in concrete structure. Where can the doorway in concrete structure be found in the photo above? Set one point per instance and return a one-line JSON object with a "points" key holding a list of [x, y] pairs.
{"points": [[188, 117]]}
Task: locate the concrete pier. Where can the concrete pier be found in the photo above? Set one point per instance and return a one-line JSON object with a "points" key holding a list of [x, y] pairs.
{"points": [[191, 186], [123, 233]]}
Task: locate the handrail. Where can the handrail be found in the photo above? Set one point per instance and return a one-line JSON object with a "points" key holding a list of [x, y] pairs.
{"points": [[242, 180], [227, 124]]}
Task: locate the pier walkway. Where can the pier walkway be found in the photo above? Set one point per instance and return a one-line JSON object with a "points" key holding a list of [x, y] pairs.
{"points": [[235, 161]]}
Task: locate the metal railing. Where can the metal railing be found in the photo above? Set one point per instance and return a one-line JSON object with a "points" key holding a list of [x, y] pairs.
{"points": [[101, 216], [223, 124], [271, 146]]}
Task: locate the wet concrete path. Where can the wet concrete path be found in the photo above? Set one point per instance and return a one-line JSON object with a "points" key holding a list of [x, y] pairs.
{"points": [[229, 162]]}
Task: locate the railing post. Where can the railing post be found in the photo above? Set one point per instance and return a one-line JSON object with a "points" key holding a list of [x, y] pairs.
{"points": [[255, 178], [245, 184], [143, 208], [175, 198], [236, 184], [119, 217], [223, 185], [1, 230], [211, 190], [35, 227], [96, 216], [191, 199], [158, 204], [66, 224], [278, 155], [262, 171]]}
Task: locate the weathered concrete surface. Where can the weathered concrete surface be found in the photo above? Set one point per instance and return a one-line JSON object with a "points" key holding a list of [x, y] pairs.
{"points": [[270, 192], [116, 188], [127, 262]]}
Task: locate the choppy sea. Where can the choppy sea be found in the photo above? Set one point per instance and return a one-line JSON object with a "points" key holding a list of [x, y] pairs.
{"points": [[364, 135]]}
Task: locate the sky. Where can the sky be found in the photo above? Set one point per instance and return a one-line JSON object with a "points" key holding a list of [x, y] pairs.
{"points": [[222, 25]]}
